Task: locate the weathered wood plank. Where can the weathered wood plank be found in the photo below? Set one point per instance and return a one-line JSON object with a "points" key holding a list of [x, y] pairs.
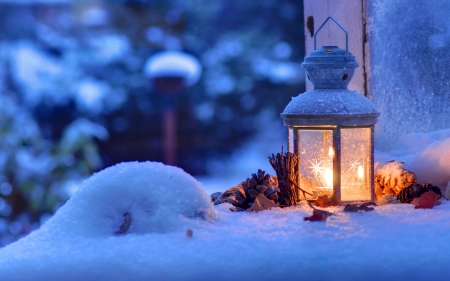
{"points": [[350, 15]]}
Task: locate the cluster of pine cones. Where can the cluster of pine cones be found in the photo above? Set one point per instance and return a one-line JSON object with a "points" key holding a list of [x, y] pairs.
{"points": [[243, 195], [393, 179], [407, 194]]}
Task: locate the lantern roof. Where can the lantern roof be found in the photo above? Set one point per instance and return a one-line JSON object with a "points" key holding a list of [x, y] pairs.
{"points": [[330, 107]]}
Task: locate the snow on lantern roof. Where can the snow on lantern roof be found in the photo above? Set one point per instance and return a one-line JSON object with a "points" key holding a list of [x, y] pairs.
{"points": [[173, 63], [334, 103]]}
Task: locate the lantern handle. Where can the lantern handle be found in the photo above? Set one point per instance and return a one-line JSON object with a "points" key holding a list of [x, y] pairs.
{"points": [[343, 29]]}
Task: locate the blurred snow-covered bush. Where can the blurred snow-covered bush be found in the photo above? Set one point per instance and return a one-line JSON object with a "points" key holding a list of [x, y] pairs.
{"points": [[38, 175]]}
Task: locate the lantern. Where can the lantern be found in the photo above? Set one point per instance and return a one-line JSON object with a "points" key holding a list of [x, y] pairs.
{"points": [[330, 128]]}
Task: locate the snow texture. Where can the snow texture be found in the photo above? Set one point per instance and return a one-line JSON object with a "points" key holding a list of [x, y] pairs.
{"points": [[330, 102], [392, 169], [78, 242], [394, 242], [170, 63], [80, 129], [278, 71], [425, 154], [34, 70]]}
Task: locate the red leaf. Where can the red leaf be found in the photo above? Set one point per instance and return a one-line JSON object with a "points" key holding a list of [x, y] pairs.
{"points": [[261, 203], [318, 215], [427, 200], [322, 201]]}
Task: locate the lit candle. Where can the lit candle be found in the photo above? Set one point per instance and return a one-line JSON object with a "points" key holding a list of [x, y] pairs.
{"points": [[331, 152], [360, 172]]}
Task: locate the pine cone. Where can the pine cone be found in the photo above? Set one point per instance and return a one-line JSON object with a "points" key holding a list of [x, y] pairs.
{"points": [[392, 177], [216, 198], [243, 195], [407, 194], [433, 188]]}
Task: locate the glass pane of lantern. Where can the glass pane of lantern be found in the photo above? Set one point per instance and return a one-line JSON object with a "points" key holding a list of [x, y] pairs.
{"points": [[355, 164], [291, 140], [316, 154]]}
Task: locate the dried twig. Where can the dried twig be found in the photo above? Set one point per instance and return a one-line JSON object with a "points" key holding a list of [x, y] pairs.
{"points": [[301, 189], [286, 168], [125, 225]]}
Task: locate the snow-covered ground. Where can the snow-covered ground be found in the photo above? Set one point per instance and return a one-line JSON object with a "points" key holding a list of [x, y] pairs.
{"points": [[394, 242]]}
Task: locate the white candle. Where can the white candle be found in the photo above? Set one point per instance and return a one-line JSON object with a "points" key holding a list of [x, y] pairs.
{"points": [[360, 172]]}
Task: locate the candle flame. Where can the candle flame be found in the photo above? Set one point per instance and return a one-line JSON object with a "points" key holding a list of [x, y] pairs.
{"points": [[331, 152], [360, 172]]}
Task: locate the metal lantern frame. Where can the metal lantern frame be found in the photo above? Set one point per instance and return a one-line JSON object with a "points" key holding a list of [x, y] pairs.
{"points": [[336, 112]]}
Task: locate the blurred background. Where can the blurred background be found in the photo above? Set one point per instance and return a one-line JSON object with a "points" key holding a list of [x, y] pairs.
{"points": [[75, 96]]}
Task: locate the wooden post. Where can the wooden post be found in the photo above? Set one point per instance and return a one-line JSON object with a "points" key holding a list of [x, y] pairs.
{"points": [[170, 136], [351, 15]]}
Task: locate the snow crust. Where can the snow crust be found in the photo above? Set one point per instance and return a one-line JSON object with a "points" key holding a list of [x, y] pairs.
{"points": [[394, 242], [174, 63], [425, 154], [391, 169], [157, 196], [329, 102]]}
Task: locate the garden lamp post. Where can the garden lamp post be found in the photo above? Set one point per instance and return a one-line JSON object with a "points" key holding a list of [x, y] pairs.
{"points": [[171, 73], [330, 128]]}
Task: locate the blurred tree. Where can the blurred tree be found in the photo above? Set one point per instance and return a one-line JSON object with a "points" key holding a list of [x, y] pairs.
{"points": [[36, 175], [250, 52], [67, 63]]}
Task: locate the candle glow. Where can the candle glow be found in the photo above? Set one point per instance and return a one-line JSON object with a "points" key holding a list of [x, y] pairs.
{"points": [[360, 172]]}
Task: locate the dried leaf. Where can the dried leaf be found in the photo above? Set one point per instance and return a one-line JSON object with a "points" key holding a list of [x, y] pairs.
{"points": [[125, 225], [334, 201], [261, 203], [356, 208], [415, 201], [427, 200], [324, 201], [318, 215], [387, 199]]}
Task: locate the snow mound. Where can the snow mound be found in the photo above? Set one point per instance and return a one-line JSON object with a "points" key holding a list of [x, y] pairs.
{"points": [[433, 163], [425, 154], [78, 243], [386, 170], [155, 195]]}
